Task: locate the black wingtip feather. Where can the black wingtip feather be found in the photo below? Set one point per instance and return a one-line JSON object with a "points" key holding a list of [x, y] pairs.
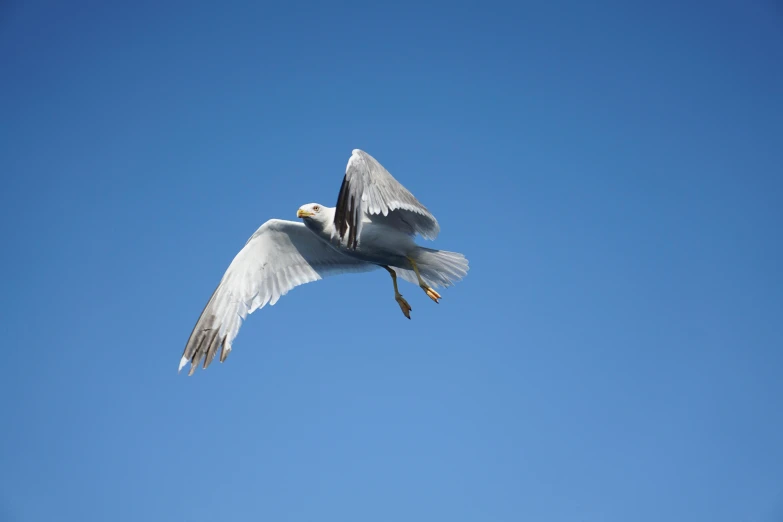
{"points": [[345, 214], [340, 217]]}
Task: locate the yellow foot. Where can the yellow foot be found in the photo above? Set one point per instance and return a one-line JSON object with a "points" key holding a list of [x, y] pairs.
{"points": [[432, 294], [404, 306]]}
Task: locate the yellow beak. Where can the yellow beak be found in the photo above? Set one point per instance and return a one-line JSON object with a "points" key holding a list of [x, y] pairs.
{"points": [[303, 213]]}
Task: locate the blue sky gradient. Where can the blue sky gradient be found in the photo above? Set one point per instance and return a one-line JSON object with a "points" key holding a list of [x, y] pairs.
{"points": [[613, 173]]}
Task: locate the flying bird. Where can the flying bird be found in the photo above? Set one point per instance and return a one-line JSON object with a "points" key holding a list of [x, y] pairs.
{"points": [[373, 226]]}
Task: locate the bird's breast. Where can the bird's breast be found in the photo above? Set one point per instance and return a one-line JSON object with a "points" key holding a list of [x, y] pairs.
{"points": [[381, 245]]}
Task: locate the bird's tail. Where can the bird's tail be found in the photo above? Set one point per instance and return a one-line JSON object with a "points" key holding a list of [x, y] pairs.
{"points": [[437, 267]]}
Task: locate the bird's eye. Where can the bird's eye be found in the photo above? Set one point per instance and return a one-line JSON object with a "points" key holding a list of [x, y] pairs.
{"points": [[316, 208]]}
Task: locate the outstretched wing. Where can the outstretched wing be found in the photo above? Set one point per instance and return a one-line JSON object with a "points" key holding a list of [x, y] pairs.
{"points": [[278, 257], [369, 189]]}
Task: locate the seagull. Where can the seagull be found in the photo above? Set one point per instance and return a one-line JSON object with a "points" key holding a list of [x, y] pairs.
{"points": [[373, 226]]}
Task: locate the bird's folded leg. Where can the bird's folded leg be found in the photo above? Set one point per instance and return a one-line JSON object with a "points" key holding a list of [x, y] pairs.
{"points": [[431, 293], [404, 306]]}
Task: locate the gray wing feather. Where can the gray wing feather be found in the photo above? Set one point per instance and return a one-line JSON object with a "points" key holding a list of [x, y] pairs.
{"points": [[369, 190], [279, 256]]}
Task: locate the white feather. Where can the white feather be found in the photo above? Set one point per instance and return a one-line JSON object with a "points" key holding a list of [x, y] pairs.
{"points": [[281, 255]]}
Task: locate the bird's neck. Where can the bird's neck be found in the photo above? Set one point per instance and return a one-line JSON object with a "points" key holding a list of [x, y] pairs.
{"points": [[324, 226]]}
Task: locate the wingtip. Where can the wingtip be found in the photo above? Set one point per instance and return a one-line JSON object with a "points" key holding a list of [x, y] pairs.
{"points": [[356, 155], [182, 363]]}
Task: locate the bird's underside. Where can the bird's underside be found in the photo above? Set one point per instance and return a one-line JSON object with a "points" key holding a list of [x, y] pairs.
{"points": [[373, 225]]}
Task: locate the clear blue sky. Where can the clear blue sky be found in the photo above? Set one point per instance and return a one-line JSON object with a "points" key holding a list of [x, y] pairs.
{"points": [[613, 173]]}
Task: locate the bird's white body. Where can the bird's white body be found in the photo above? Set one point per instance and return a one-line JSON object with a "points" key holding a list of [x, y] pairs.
{"points": [[379, 243]]}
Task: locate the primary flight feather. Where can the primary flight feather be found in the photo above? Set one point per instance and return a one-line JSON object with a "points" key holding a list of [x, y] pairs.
{"points": [[372, 226]]}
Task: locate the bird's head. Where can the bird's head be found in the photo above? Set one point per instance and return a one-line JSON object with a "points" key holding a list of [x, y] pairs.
{"points": [[314, 211]]}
